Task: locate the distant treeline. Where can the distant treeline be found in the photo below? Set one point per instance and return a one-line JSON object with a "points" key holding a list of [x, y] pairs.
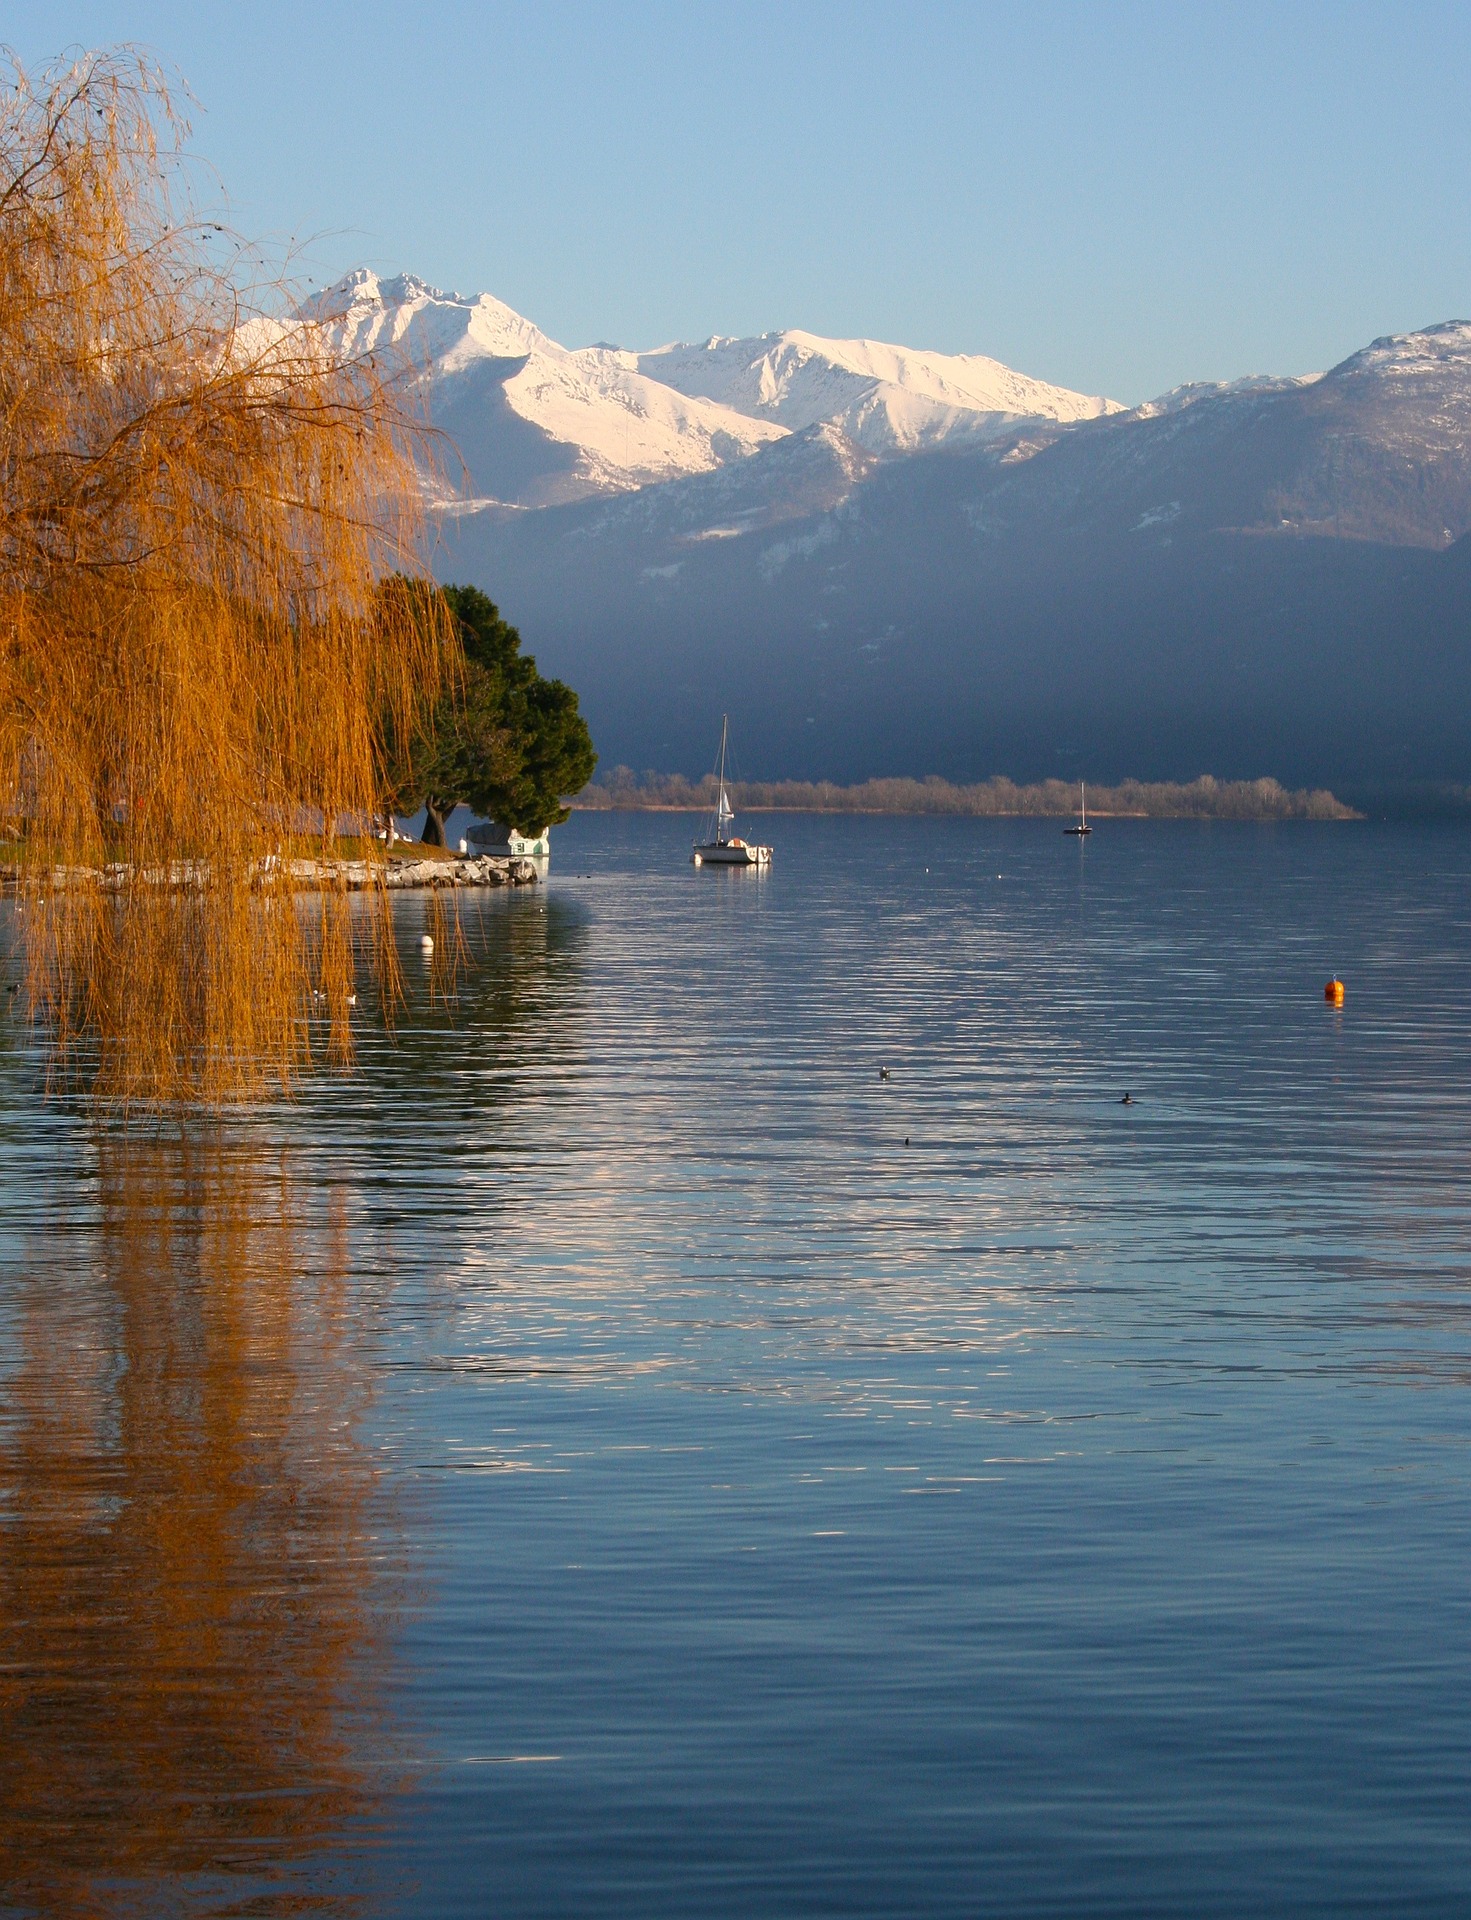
{"points": [[1202, 799]]}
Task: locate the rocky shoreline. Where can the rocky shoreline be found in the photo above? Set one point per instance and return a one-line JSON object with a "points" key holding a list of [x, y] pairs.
{"points": [[353, 876], [472, 870]]}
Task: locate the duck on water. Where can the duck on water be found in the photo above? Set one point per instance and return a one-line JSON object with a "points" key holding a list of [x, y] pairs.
{"points": [[720, 847]]}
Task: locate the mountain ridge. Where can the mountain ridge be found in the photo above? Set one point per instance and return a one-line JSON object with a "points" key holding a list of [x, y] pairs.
{"points": [[878, 559], [1272, 576], [535, 423], [541, 425], [887, 398]]}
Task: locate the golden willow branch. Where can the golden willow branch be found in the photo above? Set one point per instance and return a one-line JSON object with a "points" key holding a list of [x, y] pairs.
{"points": [[198, 503]]}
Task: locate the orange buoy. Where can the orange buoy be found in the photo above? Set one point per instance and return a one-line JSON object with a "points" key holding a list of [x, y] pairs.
{"points": [[1333, 992]]}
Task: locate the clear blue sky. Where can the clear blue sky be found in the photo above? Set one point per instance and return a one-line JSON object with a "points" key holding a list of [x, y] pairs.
{"points": [[1118, 197]]}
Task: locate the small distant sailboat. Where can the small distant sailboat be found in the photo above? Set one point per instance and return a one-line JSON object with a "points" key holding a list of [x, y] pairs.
{"points": [[720, 847], [1082, 827]]}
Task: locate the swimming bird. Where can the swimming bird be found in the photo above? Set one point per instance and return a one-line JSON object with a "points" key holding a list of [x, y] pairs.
{"points": [[1127, 1101], [883, 1073]]}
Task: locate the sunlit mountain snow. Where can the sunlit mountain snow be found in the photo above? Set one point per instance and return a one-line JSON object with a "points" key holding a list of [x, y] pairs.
{"points": [[534, 421], [889, 399], [540, 424]]}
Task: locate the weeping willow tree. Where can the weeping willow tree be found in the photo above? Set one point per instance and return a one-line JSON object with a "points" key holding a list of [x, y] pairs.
{"points": [[198, 499]]}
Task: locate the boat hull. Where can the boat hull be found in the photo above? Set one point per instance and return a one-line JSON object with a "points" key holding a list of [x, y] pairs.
{"points": [[730, 853]]}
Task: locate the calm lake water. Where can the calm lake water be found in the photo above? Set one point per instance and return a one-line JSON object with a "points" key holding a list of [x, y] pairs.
{"points": [[619, 1455]]}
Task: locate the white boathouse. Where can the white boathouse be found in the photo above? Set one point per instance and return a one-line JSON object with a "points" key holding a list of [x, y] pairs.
{"points": [[489, 836]]}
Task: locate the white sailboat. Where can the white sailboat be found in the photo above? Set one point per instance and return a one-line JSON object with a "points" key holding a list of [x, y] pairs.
{"points": [[1082, 827], [720, 847]]}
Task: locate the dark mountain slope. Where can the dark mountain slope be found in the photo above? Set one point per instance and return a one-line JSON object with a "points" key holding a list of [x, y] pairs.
{"points": [[1378, 449], [1261, 580]]}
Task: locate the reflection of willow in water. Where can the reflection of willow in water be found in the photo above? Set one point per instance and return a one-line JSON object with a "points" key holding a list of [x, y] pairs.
{"points": [[511, 1000], [191, 1587], [523, 965]]}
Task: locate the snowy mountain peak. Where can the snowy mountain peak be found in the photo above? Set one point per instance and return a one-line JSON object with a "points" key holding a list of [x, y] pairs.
{"points": [[361, 284], [535, 422], [1430, 350], [441, 329], [889, 399], [538, 423], [1195, 391]]}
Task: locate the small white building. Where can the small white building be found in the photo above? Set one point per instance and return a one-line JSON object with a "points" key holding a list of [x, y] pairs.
{"points": [[489, 836]]}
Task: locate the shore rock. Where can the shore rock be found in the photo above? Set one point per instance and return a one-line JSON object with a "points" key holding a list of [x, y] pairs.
{"points": [[483, 870]]}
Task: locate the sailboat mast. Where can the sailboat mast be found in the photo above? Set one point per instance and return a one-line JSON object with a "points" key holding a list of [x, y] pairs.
{"points": [[1083, 796], [720, 784]]}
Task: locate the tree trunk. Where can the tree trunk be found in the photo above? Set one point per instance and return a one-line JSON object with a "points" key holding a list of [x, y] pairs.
{"points": [[435, 814]]}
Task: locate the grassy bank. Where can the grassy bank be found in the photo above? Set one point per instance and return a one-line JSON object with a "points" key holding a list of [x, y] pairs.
{"points": [[1202, 799]]}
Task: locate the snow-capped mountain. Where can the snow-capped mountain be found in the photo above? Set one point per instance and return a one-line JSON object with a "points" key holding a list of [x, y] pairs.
{"points": [[1272, 574], [539, 424], [878, 559], [888, 399], [1378, 448], [535, 422], [1194, 391]]}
